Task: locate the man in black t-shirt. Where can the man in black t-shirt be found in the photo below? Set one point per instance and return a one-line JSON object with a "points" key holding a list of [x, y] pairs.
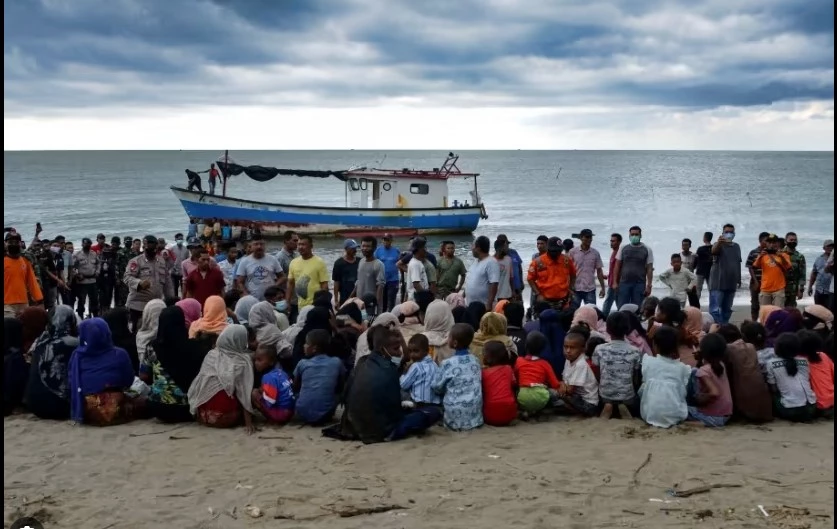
{"points": [[704, 262]]}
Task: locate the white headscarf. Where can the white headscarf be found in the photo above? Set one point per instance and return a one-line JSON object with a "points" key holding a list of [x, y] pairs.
{"points": [[147, 332], [386, 319], [291, 332], [242, 308], [438, 321], [262, 319], [226, 368]]}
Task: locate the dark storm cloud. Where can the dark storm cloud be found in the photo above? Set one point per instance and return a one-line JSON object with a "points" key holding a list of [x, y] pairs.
{"points": [[65, 57]]}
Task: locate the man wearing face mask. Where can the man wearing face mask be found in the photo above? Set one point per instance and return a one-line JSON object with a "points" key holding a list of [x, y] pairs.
{"points": [[147, 278], [19, 282], [371, 274], [634, 270], [820, 279], [87, 266], [180, 253], [725, 275], [551, 276], [774, 264], [795, 288]]}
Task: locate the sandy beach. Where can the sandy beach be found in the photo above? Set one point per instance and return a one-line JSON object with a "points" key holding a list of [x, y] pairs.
{"points": [[557, 473]]}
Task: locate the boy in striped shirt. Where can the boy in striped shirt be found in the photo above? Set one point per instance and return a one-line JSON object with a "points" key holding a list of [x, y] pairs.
{"points": [[416, 383]]}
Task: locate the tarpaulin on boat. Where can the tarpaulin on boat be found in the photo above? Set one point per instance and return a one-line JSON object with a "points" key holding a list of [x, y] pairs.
{"points": [[263, 174]]}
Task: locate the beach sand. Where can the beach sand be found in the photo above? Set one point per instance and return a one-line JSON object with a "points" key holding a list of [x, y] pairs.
{"points": [[561, 472]]}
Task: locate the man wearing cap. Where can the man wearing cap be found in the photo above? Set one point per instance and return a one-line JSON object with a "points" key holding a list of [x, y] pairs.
{"points": [[517, 266], [588, 263], [552, 274], [109, 275], [796, 276], [755, 275], [147, 278], [820, 284], [87, 266], [19, 282], [255, 272], [773, 264], [344, 273], [389, 255], [100, 243]]}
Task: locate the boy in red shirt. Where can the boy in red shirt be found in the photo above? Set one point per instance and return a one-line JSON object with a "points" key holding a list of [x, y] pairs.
{"points": [[538, 383], [499, 406]]}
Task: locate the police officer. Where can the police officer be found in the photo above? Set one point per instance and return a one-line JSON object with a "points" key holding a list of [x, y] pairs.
{"points": [[147, 278], [109, 276], [87, 265], [123, 257]]}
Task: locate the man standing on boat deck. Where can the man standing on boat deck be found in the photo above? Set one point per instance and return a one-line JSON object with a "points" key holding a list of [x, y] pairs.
{"points": [[389, 255], [634, 270], [307, 274], [371, 277], [285, 256], [214, 176], [588, 263], [344, 273], [180, 253], [147, 278], [87, 266], [255, 272], [484, 276]]}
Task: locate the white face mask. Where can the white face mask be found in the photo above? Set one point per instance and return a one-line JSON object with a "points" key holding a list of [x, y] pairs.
{"points": [[396, 360]]}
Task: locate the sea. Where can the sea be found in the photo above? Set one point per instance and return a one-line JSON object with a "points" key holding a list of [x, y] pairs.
{"points": [[670, 194]]}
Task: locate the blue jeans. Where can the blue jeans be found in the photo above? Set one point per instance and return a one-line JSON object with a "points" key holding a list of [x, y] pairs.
{"points": [[609, 301], [720, 305], [416, 422], [211, 186], [390, 293], [631, 293], [589, 298], [711, 421]]}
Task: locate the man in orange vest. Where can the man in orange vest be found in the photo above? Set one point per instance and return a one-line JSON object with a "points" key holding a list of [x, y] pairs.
{"points": [[552, 275]]}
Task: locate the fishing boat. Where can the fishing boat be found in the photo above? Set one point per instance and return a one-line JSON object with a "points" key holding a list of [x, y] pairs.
{"points": [[403, 202]]}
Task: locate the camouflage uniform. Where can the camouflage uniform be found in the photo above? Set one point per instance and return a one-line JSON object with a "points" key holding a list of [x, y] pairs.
{"points": [[36, 265], [795, 277]]}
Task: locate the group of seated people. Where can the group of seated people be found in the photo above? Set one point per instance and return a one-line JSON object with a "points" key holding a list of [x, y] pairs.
{"points": [[239, 362]]}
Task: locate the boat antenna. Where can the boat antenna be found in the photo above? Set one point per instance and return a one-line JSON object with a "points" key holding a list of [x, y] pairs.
{"points": [[559, 172]]}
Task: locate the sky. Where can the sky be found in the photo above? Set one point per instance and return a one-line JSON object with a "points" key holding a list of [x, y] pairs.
{"points": [[429, 74]]}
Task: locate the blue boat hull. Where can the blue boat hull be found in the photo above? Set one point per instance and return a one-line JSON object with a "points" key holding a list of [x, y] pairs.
{"points": [[326, 220]]}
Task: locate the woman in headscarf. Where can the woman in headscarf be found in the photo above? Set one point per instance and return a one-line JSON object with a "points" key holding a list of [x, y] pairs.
{"points": [[177, 363], [318, 318], [223, 386], [457, 299], [146, 335], [500, 307], [291, 332], [549, 324], [493, 328], [34, 321], [385, 319], [47, 393], [690, 335], [99, 375], [638, 337], [409, 316], [262, 319], [118, 319], [589, 316], [818, 319], [474, 313], [781, 321], [438, 321], [460, 313], [15, 367], [192, 310], [242, 308], [213, 321], [350, 325], [765, 311]]}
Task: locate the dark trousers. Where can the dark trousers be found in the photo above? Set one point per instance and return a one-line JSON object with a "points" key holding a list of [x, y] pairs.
{"points": [[177, 283], [106, 293], [755, 305], [136, 317], [417, 422], [293, 314], [68, 297], [89, 295], [390, 295], [823, 299], [120, 295], [608, 302]]}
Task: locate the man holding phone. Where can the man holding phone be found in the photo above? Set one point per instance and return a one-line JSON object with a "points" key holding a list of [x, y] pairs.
{"points": [[725, 275]]}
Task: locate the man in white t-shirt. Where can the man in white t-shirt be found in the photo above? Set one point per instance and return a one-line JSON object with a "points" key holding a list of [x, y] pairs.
{"points": [[416, 272]]}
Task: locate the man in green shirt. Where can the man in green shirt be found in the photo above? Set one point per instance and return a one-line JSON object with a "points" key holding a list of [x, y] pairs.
{"points": [[451, 271]]}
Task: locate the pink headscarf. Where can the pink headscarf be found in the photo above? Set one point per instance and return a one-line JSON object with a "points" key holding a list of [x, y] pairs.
{"points": [[588, 315], [191, 310], [455, 300]]}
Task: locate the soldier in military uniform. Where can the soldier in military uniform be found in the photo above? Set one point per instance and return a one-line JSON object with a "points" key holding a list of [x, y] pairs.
{"points": [[797, 275], [87, 266], [147, 278], [108, 278], [123, 257]]}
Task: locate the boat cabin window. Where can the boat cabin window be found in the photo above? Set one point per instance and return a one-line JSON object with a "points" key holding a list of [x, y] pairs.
{"points": [[354, 184], [364, 183], [419, 189]]}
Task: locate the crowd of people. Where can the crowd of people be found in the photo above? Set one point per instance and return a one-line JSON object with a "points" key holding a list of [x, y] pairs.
{"points": [[402, 340]]}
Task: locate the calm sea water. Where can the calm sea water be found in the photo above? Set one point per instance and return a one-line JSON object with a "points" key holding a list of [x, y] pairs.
{"points": [[670, 194]]}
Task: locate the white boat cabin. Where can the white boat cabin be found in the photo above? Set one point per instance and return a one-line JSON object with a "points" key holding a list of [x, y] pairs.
{"points": [[373, 189]]}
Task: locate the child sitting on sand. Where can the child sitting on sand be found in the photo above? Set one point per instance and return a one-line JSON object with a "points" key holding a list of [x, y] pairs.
{"points": [[822, 371], [417, 381], [537, 380], [580, 390], [318, 379], [619, 363], [664, 380], [714, 397], [498, 386], [275, 398], [788, 376], [592, 343], [755, 334], [459, 381]]}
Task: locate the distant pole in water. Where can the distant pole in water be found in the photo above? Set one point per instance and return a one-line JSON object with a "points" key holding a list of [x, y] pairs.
{"points": [[226, 171], [750, 199]]}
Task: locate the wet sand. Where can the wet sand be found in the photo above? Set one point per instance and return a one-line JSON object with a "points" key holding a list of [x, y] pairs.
{"points": [[561, 472]]}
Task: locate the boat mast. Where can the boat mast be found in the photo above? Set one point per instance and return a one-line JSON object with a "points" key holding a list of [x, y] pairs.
{"points": [[226, 171]]}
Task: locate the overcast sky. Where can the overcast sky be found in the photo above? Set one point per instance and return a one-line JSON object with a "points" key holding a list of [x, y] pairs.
{"points": [[428, 74]]}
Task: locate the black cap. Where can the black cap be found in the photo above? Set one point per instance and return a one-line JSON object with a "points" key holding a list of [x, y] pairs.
{"points": [[100, 236], [585, 233], [554, 244], [86, 240], [115, 240], [772, 238], [150, 239]]}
